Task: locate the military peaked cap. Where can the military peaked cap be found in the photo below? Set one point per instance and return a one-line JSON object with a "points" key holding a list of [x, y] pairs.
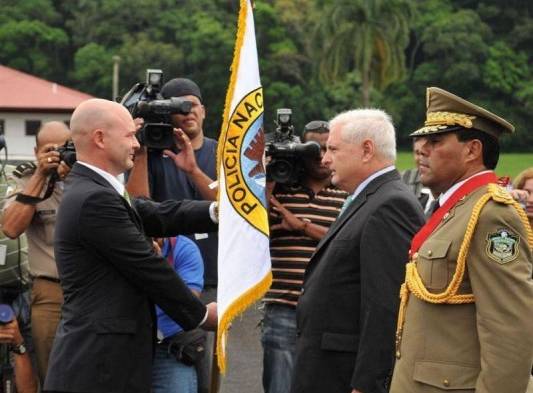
{"points": [[447, 112]]}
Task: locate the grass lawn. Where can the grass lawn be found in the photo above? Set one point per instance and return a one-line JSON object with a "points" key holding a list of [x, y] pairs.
{"points": [[509, 164]]}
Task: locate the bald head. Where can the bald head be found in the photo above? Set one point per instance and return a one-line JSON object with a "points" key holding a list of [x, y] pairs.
{"points": [[104, 135], [52, 132], [94, 114]]}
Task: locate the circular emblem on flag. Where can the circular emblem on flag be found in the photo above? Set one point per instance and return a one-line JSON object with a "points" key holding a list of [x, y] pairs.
{"points": [[242, 160]]}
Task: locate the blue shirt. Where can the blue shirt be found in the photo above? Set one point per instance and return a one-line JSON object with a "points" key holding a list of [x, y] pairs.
{"points": [[187, 262], [168, 182]]}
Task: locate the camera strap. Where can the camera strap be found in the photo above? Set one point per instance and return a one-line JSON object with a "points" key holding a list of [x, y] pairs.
{"points": [[33, 200]]}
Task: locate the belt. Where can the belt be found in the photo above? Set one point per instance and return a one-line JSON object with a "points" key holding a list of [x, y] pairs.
{"points": [[51, 279]]}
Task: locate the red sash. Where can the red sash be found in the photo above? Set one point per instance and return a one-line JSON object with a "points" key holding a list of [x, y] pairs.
{"points": [[469, 186]]}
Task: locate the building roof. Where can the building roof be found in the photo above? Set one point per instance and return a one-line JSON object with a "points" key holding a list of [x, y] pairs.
{"points": [[21, 92]]}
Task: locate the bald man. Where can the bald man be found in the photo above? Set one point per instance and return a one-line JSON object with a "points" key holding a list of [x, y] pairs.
{"points": [[111, 276], [28, 212]]}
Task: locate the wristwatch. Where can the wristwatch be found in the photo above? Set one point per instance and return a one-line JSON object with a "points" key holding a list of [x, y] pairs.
{"points": [[19, 349]]}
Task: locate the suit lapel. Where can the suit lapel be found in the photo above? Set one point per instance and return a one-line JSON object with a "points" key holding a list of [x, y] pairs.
{"points": [[83, 171], [352, 209]]}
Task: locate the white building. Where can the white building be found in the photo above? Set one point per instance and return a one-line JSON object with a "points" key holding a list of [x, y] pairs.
{"points": [[25, 103]]}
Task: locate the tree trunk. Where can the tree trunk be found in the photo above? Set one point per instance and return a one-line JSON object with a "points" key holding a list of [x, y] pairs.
{"points": [[365, 88]]}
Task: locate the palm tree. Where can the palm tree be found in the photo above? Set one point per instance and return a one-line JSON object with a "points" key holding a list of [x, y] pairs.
{"points": [[367, 35]]}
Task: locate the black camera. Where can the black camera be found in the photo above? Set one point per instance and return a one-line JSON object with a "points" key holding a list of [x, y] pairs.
{"points": [[286, 152], [145, 100], [67, 153]]}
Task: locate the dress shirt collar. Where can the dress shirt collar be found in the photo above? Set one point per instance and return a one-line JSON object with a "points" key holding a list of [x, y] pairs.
{"points": [[115, 183], [367, 181], [446, 195]]}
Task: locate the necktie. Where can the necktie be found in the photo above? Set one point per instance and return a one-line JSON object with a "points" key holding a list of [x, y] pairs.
{"points": [[126, 196], [433, 207], [346, 204]]}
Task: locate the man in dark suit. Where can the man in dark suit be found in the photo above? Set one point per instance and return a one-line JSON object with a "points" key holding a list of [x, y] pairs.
{"points": [[109, 272], [347, 311]]}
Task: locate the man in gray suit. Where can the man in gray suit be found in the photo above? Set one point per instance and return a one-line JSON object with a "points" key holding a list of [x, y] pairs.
{"points": [[347, 311]]}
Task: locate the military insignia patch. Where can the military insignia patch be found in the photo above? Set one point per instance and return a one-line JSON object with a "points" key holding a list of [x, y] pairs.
{"points": [[502, 246]]}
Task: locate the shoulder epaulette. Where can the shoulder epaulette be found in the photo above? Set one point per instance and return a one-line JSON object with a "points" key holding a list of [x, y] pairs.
{"points": [[500, 194], [24, 169]]}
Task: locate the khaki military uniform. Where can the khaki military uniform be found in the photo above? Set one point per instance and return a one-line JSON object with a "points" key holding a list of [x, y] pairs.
{"points": [[485, 346], [46, 293]]}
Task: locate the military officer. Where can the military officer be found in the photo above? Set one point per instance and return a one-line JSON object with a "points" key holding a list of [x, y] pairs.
{"points": [[465, 321]]}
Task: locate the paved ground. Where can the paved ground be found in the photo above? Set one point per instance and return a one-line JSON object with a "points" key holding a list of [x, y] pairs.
{"points": [[245, 355]]}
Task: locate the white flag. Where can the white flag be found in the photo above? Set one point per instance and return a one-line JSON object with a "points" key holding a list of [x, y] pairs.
{"points": [[244, 273]]}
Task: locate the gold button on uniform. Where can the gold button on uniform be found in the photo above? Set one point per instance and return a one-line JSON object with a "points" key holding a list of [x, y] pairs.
{"points": [[430, 253], [446, 383]]}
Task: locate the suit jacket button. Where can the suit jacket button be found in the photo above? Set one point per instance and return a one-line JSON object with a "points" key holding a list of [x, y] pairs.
{"points": [[446, 383]]}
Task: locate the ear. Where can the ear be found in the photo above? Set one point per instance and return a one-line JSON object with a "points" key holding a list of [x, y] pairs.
{"points": [[98, 138], [368, 150], [474, 151]]}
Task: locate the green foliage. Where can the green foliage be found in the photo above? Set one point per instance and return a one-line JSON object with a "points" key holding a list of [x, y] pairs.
{"points": [[505, 69], [364, 35], [32, 46], [318, 57], [508, 165], [92, 69]]}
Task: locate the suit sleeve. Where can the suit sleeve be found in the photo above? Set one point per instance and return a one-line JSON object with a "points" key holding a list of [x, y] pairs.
{"points": [[503, 291], [384, 252], [106, 227], [172, 217]]}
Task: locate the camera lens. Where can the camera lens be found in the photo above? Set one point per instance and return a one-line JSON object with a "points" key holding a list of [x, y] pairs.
{"points": [[156, 135], [280, 171]]}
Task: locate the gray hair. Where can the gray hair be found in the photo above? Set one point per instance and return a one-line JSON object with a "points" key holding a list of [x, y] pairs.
{"points": [[374, 124]]}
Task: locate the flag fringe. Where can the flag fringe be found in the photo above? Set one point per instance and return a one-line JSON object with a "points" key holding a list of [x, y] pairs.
{"points": [[234, 68], [235, 309]]}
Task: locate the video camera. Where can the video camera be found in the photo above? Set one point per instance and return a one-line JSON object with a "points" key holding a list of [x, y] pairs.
{"points": [[145, 100], [286, 152]]}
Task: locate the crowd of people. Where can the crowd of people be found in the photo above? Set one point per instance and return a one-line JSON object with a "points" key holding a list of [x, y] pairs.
{"points": [[382, 281]]}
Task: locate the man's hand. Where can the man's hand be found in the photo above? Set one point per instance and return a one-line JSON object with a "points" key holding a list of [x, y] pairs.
{"points": [[211, 323], [289, 221], [185, 159], [10, 333], [47, 160], [63, 170], [138, 121]]}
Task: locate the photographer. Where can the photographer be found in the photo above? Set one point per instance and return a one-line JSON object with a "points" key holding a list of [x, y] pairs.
{"points": [[26, 211], [185, 173], [25, 381], [300, 215]]}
